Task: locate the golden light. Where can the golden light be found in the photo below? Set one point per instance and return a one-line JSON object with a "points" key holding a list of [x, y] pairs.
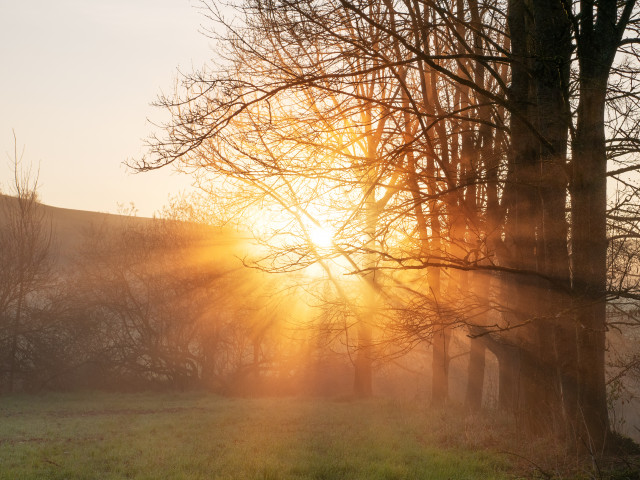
{"points": [[321, 237]]}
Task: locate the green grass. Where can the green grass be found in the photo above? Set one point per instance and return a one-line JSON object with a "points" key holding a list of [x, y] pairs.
{"points": [[198, 436]]}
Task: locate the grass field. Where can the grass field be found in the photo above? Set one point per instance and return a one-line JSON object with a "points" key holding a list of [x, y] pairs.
{"points": [[198, 436]]}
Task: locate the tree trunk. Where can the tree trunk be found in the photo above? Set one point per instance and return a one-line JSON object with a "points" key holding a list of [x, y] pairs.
{"points": [[363, 375], [589, 250], [597, 45], [15, 333], [523, 218], [440, 378], [475, 374], [557, 354], [508, 372], [363, 378]]}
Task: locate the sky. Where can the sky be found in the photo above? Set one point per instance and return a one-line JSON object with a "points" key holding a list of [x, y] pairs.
{"points": [[76, 83]]}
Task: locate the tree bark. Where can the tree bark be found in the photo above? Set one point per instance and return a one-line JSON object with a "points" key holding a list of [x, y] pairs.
{"points": [[523, 217], [475, 374], [557, 351], [589, 251], [597, 43]]}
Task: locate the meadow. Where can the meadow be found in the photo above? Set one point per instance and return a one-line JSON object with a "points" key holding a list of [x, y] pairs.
{"points": [[201, 436]]}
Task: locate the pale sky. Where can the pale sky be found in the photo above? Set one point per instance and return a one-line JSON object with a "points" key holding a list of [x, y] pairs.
{"points": [[76, 81]]}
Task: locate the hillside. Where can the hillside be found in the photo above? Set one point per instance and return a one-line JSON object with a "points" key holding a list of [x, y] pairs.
{"points": [[69, 228]]}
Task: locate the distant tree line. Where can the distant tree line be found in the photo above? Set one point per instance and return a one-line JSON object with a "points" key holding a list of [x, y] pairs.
{"points": [[142, 303]]}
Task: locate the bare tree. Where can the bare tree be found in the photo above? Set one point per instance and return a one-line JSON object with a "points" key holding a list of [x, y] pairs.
{"points": [[170, 306], [25, 261], [477, 110]]}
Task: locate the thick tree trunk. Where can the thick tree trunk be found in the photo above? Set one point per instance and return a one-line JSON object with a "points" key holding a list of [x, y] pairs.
{"points": [[523, 217], [556, 347], [589, 250], [597, 43], [480, 292], [475, 374], [508, 371]]}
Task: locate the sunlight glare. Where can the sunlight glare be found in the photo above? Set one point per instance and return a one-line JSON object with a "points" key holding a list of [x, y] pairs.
{"points": [[321, 237]]}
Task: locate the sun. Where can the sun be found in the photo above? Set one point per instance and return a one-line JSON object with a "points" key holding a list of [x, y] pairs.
{"points": [[321, 236]]}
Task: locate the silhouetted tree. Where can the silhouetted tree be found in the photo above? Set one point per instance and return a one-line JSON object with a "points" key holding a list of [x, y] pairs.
{"points": [[25, 260], [471, 179]]}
